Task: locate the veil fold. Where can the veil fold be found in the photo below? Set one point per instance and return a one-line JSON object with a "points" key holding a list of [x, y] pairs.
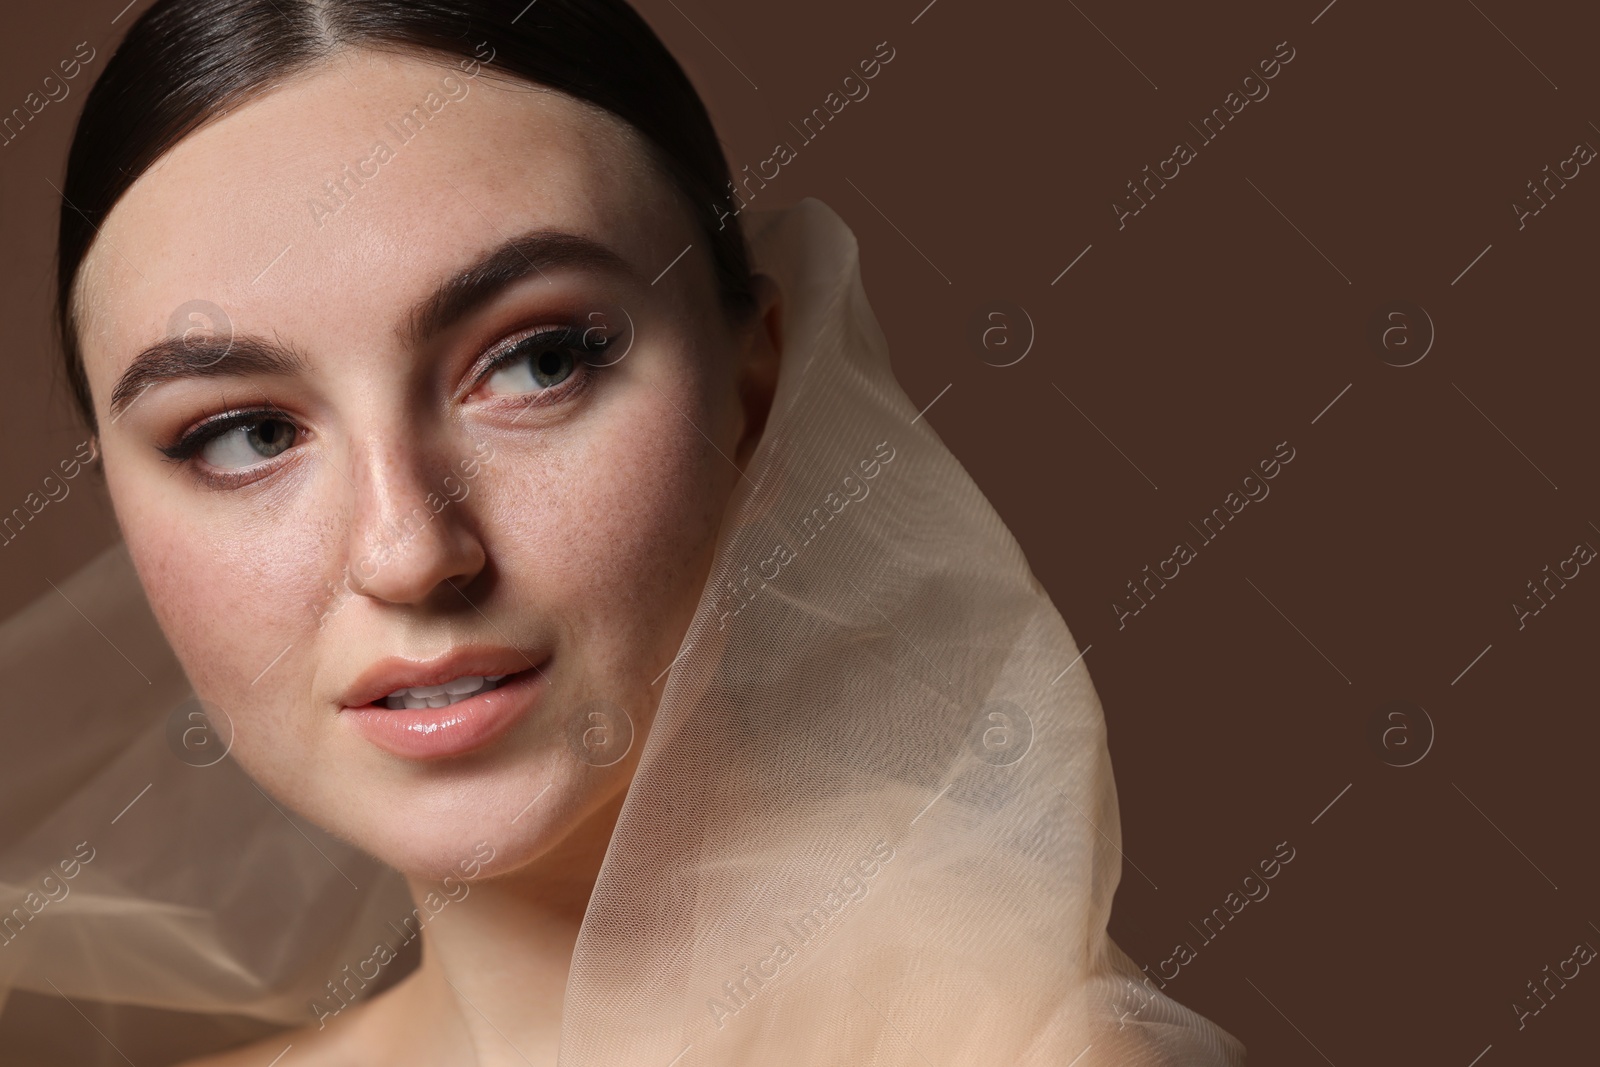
{"points": [[873, 823]]}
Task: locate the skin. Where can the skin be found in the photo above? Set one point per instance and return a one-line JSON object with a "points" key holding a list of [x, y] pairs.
{"points": [[588, 535]]}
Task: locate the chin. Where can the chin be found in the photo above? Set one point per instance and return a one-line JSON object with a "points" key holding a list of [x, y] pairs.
{"points": [[437, 844]]}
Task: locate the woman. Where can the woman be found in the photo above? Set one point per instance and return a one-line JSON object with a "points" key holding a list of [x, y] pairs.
{"points": [[517, 534]]}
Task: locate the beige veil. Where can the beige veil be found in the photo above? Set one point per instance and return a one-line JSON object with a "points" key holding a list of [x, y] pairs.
{"points": [[874, 822]]}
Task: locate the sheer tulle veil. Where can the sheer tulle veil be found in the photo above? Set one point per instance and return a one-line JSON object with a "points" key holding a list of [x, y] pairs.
{"points": [[874, 821]]}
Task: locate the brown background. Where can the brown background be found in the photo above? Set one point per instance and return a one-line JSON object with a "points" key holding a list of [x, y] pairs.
{"points": [[1241, 701]]}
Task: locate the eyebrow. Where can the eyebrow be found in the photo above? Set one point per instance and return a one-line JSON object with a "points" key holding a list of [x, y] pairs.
{"points": [[458, 296]]}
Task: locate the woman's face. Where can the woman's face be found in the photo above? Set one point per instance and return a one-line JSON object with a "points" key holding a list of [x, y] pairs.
{"points": [[427, 396]]}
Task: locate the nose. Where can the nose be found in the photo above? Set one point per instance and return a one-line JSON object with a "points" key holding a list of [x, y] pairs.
{"points": [[412, 532]]}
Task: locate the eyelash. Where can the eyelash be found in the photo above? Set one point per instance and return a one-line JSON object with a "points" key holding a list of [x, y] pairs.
{"points": [[190, 443], [570, 337]]}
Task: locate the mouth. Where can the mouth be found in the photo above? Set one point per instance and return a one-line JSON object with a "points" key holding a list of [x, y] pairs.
{"points": [[448, 706]]}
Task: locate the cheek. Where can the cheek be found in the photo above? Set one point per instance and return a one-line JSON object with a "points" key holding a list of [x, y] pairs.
{"points": [[231, 593], [616, 546], [239, 602]]}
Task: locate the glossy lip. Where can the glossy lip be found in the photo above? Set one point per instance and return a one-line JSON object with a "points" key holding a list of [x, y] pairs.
{"points": [[437, 733]]}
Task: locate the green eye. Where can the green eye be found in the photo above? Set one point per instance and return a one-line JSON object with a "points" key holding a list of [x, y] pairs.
{"points": [[538, 368], [544, 360], [249, 443]]}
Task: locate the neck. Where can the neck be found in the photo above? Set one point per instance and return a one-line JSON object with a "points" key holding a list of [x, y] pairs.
{"points": [[495, 963]]}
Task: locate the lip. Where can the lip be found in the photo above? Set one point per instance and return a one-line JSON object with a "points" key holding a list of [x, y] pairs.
{"points": [[459, 728]]}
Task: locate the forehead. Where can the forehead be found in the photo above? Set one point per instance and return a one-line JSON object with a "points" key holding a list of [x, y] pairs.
{"points": [[351, 189]]}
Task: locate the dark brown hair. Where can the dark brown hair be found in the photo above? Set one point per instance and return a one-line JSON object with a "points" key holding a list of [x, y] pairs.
{"points": [[186, 62]]}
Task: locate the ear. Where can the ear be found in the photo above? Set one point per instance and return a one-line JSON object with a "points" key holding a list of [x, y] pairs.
{"points": [[96, 461], [760, 356]]}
